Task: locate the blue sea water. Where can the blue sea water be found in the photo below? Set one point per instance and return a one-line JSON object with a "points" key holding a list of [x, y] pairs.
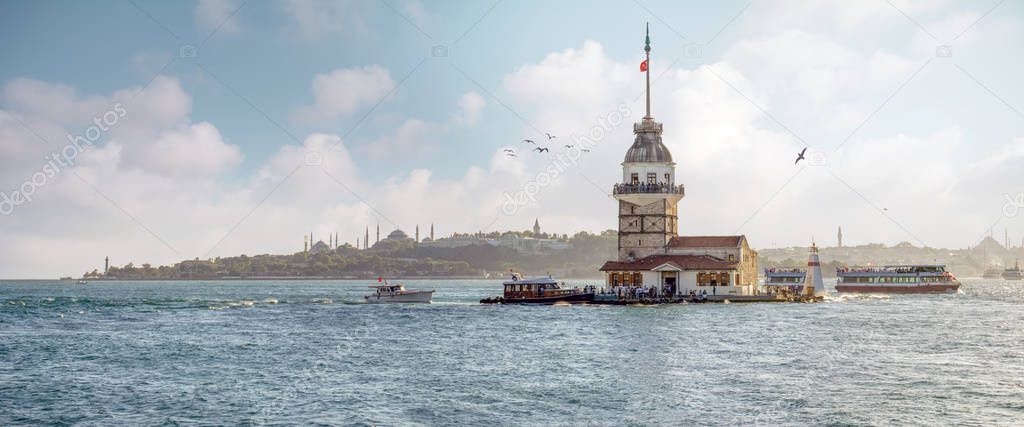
{"points": [[309, 352]]}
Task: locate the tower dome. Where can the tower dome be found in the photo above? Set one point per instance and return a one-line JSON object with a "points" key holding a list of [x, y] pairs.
{"points": [[647, 147]]}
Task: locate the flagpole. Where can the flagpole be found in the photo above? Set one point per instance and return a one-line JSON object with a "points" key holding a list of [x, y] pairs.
{"points": [[647, 52]]}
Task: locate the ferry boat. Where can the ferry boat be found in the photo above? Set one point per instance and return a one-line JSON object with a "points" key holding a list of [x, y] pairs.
{"points": [[540, 290], [1013, 273], [992, 273], [398, 294], [784, 280], [897, 279]]}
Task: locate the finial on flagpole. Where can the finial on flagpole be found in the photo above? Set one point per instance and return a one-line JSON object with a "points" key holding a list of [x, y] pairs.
{"points": [[647, 39]]}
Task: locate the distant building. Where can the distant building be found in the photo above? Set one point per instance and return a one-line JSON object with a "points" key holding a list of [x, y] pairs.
{"points": [[536, 226], [320, 248], [839, 238]]}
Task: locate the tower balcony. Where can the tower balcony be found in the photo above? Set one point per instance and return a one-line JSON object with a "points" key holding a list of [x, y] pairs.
{"points": [[660, 188]]}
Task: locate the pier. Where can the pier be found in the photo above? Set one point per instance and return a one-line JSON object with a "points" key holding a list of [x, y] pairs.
{"points": [[612, 299]]}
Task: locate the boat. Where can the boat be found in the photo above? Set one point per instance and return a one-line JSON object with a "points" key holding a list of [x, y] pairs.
{"points": [[82, 282], [784, 280], [992, 273], [396, 293], [540, 290], [1013, 273], [897, 279]]}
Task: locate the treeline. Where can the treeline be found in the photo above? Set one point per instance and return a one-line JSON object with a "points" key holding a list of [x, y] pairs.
{"points": [[388, 258]]}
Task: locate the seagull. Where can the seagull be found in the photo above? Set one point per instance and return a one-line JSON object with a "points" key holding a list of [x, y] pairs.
{"points": [[541, 149], [509, 150], [511, 154], [568, 146], [550, 136], [584, 150], [800, 156], [529, 140]]}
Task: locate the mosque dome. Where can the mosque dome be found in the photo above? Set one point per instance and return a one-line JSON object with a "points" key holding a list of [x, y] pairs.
{"points": [[398, 235]]}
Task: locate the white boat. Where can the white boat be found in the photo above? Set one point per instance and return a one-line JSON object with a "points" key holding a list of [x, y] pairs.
{"points": [[398, 294]]}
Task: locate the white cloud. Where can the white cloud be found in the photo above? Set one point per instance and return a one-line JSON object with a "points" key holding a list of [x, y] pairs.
{"points": [[213, 14], [471, 106], [317, 19], [343, 91]]}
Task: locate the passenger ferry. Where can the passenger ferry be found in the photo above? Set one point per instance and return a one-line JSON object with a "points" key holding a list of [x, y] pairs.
{"points": [[784, 280], [539, 290], [1013, 273], [898, 279]]}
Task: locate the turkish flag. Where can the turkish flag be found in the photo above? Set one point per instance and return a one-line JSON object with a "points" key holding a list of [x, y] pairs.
{"points": [[643, 66]]}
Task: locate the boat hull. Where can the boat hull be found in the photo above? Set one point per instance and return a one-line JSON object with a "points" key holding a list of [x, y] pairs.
{"points": [[922, 289], [581, 298], [423, 297]]}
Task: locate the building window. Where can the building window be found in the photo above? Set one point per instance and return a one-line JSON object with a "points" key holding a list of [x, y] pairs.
{"points": [[615, 279], [652, 178], [634, 178], [723, 279], [667, 179], [638, 279], [732, 257]]}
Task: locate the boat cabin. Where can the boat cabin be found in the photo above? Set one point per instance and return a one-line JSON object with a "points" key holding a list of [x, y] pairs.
{"points": [[388, 289], [539, 287]]}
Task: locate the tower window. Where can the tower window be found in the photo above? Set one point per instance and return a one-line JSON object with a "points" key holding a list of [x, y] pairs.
{"points": [[634, 178], [652, 178]]}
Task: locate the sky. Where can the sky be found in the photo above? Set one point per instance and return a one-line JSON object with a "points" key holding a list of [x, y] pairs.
{"points": [[152, 131]]}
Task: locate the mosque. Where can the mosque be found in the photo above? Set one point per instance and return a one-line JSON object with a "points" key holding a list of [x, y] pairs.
{"points": [[651, 253]]}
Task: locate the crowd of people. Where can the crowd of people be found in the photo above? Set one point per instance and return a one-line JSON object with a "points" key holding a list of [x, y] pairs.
{"points": [[660, 187]]}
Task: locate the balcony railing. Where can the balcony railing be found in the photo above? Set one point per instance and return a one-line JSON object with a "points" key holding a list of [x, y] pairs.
{"points": [[649, 189]]}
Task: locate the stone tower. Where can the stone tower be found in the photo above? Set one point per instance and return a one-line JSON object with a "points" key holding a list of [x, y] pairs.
{"points": [[648, 194], [536, 226], [839, 237]]}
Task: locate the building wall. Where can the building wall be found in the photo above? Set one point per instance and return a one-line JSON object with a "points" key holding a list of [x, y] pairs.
{"points": [[645, 230], [642, 169]]}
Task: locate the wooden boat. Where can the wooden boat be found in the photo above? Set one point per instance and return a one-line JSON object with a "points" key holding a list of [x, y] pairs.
{"points": [[540, 290]]}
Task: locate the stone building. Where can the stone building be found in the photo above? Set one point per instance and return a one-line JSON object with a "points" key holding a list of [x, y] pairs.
{"points": [[650, 251]]}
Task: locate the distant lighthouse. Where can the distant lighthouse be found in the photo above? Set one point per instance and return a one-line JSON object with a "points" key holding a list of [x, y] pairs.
{"points": [[813, 284]]}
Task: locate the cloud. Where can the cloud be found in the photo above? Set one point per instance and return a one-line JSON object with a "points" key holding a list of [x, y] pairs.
{"points": [[471, 106], [316, 19], [345, 90], [213, 14], [196, 150]]}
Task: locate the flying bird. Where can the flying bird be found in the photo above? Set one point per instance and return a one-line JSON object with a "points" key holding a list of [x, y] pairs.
{"points": [[529, 140], [511, 154], [800, 156], [541, 149], [509, 150], [550, 136], [584, 150], [568, 146]]}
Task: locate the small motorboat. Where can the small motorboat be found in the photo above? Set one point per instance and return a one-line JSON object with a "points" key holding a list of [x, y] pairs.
{"points": [[397, 293], [83, 282]]}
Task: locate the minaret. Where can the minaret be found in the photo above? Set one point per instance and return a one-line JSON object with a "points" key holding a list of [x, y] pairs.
{"points": [[378, 234], [840, 237], [417, 234], [648, 195], [305, 243], [106, 265], [431, 232], [813, 284], [366, 239]]}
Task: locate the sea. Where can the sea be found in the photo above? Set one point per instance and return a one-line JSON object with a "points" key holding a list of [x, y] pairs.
{"points": [[312, 353]]}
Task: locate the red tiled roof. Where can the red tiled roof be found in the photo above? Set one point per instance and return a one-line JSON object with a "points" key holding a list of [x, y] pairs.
{"points": [[682, 262], [705, 241]]}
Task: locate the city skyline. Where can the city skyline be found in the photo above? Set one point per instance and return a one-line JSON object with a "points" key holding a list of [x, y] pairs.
{"points": [[222, 128]]}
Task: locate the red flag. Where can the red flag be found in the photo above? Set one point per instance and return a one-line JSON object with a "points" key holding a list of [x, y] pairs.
{"points": [[380, 279], [643, 66]]}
